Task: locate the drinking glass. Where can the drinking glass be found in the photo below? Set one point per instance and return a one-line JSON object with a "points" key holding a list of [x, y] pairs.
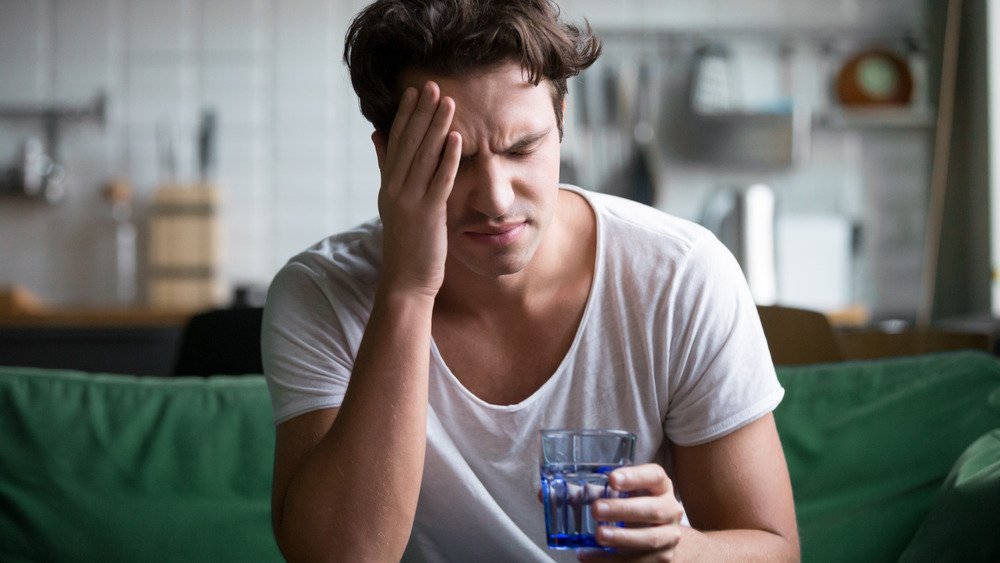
{"points": [[574, 466]]}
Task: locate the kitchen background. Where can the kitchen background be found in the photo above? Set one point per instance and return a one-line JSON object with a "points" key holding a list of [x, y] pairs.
{"points": [[720, 111]]}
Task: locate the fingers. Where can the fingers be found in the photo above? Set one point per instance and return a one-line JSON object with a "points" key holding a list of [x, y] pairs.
{"points": [[635, 544], [651, 514], [407, 132], [444, 177], [429, 159], [406, 106], [417, 137], [650, 478], [652, 500], [639, 510]]}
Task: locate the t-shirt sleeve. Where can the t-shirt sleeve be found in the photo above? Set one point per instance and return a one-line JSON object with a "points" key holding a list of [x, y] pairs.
{"points": [[307, 342], [722, 374]]}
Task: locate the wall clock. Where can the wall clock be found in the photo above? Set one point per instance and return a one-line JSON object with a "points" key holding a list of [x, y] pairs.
{"points": [[875, 77]]}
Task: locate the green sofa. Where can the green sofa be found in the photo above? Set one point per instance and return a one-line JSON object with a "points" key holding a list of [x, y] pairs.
{"points": [[890, 459]]}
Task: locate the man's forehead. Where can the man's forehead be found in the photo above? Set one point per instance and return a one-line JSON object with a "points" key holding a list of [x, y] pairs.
{"points": [[487, 78], [498, 104]]}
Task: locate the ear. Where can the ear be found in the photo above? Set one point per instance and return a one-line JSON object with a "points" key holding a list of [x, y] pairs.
{"points": [[381, 146]]}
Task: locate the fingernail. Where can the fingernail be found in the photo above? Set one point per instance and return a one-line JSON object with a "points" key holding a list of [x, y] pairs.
{"points": [[606, 532], [619, 478], [600, 508]]}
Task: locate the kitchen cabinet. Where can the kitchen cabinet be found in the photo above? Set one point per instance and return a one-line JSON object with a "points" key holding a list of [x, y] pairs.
{"points": [[147, 349]]}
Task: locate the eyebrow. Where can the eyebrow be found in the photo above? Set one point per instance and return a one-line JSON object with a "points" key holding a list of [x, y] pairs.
{"points": [[522, 143], [528, 140]]}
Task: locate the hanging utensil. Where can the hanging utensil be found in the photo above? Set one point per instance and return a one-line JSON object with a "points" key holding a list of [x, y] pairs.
{"points": [[642, 180], [206, 145], [166, 153], [580, 102]]}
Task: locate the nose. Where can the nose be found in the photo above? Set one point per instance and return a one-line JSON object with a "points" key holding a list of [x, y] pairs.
{"points": [[491, 191]]}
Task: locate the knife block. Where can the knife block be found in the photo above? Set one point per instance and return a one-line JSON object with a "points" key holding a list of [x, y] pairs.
{"points": [[184, 248]]}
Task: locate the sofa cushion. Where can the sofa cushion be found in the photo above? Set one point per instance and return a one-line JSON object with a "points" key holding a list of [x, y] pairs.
{"points": [[972, 488], [120, 468], [869, 444]]}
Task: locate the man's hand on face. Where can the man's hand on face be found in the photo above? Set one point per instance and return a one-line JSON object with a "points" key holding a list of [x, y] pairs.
{"points": [[418, 163], [652, 520]]}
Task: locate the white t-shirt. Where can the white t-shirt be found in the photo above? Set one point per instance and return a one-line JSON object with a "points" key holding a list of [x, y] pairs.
{"points": [[670, 347]]}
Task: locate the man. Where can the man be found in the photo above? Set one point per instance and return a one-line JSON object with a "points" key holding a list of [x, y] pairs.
{"points": [[413, 360]]}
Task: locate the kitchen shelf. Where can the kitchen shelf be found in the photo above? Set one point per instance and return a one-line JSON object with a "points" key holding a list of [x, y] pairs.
{"points": [[824, 34], [40, 175], [96, 109], [875, 118]]}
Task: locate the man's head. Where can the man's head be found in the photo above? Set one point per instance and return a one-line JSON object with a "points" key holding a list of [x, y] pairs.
{"points": [[454, 37]]}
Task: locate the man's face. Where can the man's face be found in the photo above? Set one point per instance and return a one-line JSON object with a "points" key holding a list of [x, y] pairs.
{"points": [[506, 188]]}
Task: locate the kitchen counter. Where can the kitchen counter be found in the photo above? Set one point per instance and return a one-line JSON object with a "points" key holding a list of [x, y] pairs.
{"points": [[133, 340], [81, 317], [18, 307]]}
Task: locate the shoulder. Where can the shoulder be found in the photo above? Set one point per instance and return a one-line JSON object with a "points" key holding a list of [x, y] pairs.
{"points": [[630, 226], [338, 273], [351, 257]]}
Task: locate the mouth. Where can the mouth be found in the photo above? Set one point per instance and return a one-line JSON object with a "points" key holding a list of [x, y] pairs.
{"points": [[496, 235]]}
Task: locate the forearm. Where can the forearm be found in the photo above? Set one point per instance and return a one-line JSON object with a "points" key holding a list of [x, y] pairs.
{"points": [[354, 495], [734, 545], [738, 487]]}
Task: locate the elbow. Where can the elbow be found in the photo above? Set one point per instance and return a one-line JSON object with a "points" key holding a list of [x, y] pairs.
{"points": [[792, 551], [336, 544]]}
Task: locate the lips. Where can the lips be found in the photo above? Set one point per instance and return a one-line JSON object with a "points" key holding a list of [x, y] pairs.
{"points": [[496, 235]]}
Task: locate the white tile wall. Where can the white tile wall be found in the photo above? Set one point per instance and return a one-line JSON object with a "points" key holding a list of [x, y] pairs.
{"points": [[86, 33], [235, 26], [294, 160], [25, 50], [237, 93], [154, 26]]}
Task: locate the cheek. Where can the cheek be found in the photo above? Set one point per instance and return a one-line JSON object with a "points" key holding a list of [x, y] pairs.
{"points": [[543, 166], [552, 155], [549, 174]]}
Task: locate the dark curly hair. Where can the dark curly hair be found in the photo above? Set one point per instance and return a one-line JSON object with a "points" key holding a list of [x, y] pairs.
{"points": [[450, 37]]}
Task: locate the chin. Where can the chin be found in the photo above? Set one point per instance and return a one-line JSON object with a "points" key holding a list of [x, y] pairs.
{"points": [[495, 268], [497, 264], [494, 262]]}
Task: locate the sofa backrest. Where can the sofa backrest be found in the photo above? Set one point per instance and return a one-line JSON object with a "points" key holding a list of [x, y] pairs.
{"points": [[120, 468], [869, 444]]}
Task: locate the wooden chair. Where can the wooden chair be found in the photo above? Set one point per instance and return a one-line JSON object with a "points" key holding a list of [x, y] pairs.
{"points": [[799, 336], [221, 342]]}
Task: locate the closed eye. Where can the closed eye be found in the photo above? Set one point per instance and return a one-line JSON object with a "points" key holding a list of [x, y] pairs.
{"points": [[527, 145]]}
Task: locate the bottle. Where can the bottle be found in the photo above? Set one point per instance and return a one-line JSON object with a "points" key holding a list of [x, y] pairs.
{"points": [[119, 194]]}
